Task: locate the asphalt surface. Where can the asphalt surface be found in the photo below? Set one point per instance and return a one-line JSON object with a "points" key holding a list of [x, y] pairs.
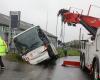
{"points": [[52, 71]]}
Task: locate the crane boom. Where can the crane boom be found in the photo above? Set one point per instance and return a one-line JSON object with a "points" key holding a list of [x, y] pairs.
{"points": [[89, 22]]}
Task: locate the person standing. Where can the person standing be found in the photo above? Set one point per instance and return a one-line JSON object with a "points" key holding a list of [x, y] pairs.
{"points": [[3, 50]]}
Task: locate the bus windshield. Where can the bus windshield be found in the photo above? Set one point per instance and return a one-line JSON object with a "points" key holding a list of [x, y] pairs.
{"points": [[28, 40]]}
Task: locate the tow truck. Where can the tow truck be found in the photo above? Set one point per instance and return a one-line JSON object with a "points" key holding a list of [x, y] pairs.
{"points": [[90, 50]]}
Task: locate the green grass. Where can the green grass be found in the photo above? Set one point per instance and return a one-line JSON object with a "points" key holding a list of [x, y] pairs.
{"points": [[73, 52], [70, 52], [14, 57]]}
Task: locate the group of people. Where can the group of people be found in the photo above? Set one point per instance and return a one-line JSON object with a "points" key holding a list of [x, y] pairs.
{"points": [[3, 51]]}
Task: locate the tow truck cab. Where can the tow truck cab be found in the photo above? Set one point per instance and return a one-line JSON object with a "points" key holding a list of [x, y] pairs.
{"points": [[90, 55]]}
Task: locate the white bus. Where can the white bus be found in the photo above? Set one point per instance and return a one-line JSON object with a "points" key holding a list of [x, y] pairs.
{"points": [[34, 45]]}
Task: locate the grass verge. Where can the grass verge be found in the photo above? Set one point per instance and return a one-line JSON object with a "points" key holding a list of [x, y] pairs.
{"points": [[14, 57], [70, 52], [17, 58]]}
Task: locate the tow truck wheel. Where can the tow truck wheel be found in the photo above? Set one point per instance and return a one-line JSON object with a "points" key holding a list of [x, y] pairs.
{"points": [[81, 60], [83, 63], [95, 75]]}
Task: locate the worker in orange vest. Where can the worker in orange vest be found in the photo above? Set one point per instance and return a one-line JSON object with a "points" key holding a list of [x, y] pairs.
{"points": [[3, 50]]}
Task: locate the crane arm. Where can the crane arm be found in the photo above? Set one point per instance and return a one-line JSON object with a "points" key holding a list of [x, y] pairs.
{"points": [[90, 23]]}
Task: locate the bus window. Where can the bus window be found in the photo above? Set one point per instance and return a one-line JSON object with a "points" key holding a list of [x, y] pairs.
{"points": [[28, 41]]}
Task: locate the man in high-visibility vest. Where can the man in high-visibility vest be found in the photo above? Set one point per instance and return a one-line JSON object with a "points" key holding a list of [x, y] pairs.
{"points": [[3, 50]]}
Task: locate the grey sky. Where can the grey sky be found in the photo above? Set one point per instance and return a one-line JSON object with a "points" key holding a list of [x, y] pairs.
{"points": [[35, 12]]}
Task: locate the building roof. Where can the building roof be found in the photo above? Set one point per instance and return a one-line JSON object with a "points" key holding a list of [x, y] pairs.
{"points": [[5, 20]]}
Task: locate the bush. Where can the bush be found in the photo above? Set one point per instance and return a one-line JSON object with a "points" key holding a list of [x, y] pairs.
{"points": [[60, 52]]}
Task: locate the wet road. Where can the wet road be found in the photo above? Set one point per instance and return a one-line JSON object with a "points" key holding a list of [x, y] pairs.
{"points": [[20, 71]]}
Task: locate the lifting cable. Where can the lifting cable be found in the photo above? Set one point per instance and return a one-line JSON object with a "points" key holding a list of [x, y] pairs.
{"points": [[56, 26], [61, 33], [64, 33]]}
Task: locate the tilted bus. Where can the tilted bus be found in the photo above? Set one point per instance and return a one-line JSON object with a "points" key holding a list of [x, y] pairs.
{"points": [[34, 45]]}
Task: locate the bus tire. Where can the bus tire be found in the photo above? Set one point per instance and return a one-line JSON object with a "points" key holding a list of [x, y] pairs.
{"points": [[95, 74]]}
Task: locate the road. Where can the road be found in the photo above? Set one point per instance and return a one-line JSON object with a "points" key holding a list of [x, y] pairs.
{"points": [[53, 71]]}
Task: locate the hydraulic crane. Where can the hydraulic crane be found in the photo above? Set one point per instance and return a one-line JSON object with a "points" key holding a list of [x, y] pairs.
{"points": [[71, 18]]}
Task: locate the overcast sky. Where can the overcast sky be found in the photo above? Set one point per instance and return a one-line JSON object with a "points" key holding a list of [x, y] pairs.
{"points": [[36, 11]]}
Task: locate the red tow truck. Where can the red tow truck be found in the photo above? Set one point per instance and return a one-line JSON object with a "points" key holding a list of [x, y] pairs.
{"points": [[89, 51]]}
